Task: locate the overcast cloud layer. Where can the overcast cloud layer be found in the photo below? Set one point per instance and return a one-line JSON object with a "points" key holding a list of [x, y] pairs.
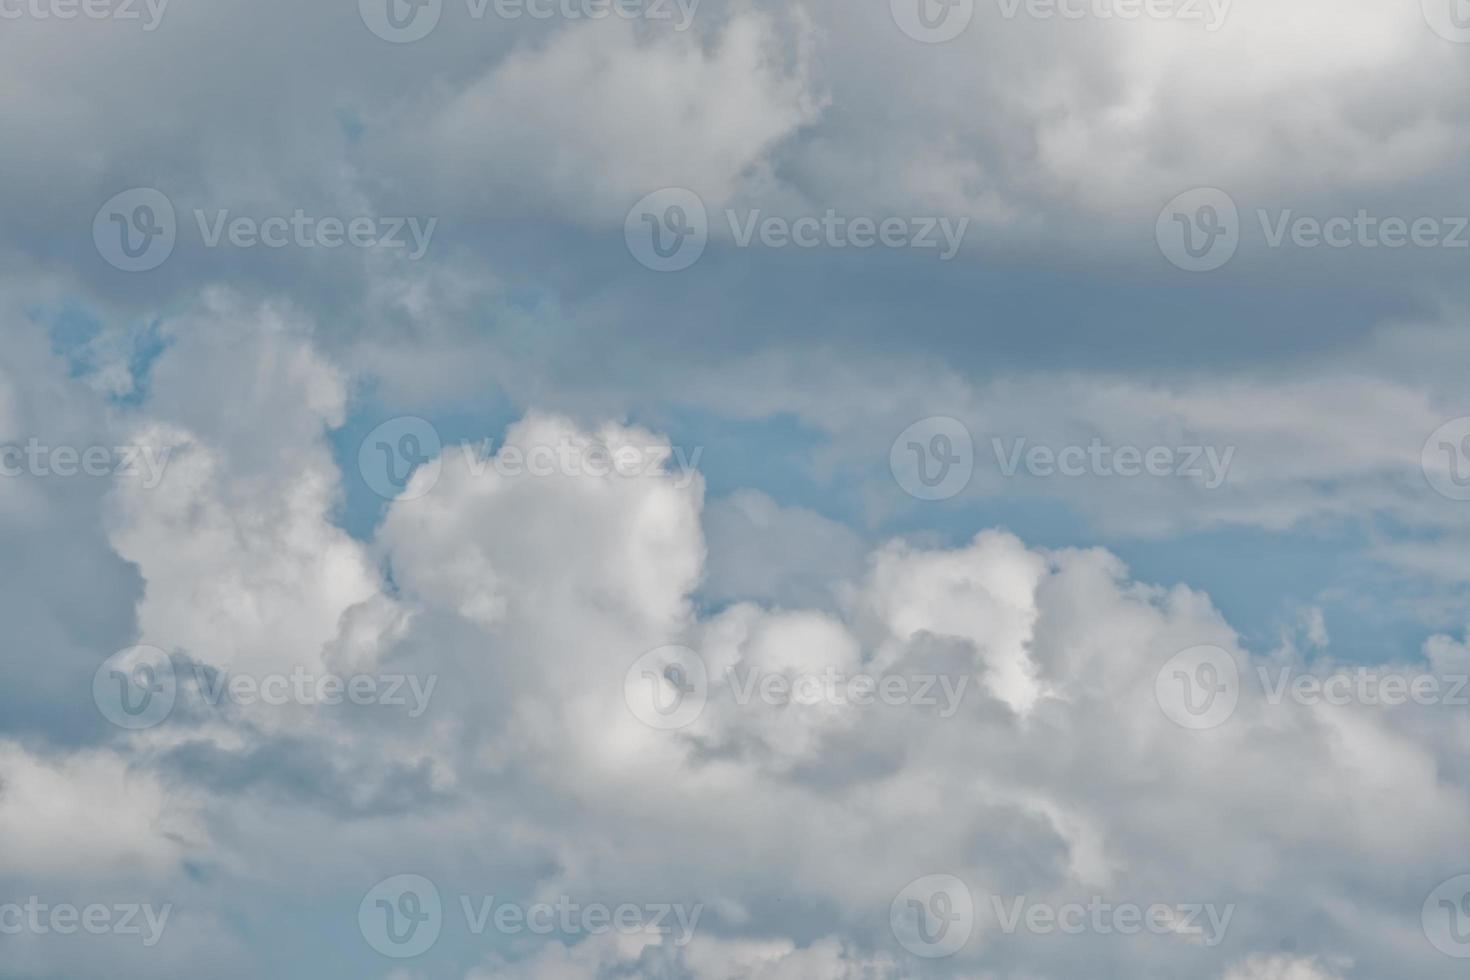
{"points": [[701, 490]]}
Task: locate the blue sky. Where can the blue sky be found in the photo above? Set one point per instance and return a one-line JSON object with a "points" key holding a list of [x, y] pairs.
{"points": [[795, 347]]}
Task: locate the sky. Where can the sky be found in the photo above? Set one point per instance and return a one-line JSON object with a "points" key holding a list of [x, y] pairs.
{"points": [[713, 489]]}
